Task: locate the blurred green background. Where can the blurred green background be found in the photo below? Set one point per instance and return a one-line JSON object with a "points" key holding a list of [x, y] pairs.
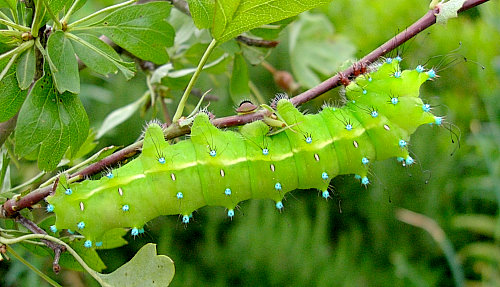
{"points": [[354, 239]]}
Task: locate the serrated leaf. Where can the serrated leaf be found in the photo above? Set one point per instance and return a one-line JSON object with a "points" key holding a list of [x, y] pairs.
{"points": [[61, 53], [202, 12], [313, 51], [99, 56], [26, 67], [51, 122], [119, 116], [140, 29], [239, 88], [145, 269], [11, 96], [448, 10], [229, 18]]}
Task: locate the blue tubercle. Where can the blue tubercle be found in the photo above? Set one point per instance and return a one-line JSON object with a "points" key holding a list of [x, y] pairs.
{"points": [[68, 191], [126, 207], [141, 230], [185, 219], [230, 213], [50, 208], [374, 114], [324, 176], [431, 73], [265, 151], [227, 191], [388, 60], [402, 143], [398, 58], [370, 79], [53, 228], [180, 195], [161, 160], [397, 74], [110, 175], [420, 68], [400, 159], [394, 100], [365, 161], [438, 120], [81, 225], [279, 205], [213, 153], [365, 92], [357, 176], [309, 140], [325, 194], [409, 160], [426, 108], [134, 231], [365, 180], [98, 244], [71, 231], [87, 244], [348, 127], [277, 186]]}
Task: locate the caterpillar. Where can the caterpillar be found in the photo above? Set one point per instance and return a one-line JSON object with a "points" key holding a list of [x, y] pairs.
{"points": [[222, 168]]}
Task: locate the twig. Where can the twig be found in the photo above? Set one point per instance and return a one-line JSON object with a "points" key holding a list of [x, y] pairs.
{"points": [[12, 206], [58, 249]]}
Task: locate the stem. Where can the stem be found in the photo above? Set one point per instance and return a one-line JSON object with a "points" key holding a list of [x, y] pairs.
{"points": [[18, 50], [77, 257], [100, 12], [37, 18], [70, 11], [9, 64], [14, 25], [45, 55], [53, 16], [5, 17], [28, 183], [33, 268], [204, 58]]}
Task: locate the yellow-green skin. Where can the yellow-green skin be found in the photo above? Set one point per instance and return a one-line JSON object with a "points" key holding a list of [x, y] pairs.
{"points": [[301, 156]]}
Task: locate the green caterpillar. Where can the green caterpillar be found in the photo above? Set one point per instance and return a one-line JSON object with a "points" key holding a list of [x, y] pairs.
{"points": [[223, 168]]}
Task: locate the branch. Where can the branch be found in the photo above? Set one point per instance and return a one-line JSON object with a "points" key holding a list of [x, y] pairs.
{"points": [[58, 249], [12, 206]]}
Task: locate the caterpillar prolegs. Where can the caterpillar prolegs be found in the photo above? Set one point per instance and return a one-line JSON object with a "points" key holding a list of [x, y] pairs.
{"points": [[222, 168]]}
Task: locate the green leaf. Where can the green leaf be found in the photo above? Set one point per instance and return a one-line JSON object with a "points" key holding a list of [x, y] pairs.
{"points": [[99, 56], [51, 122], [239, 80], [11, 97], [26, 67], [140, 29], [145, 269], [232, 17], [202, 12], [61, 53], [119, 116], [4, 171], [11, 4], [313, 51]]}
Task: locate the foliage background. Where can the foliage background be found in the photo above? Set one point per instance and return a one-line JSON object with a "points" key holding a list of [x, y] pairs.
{"points": [[312, 242]]}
